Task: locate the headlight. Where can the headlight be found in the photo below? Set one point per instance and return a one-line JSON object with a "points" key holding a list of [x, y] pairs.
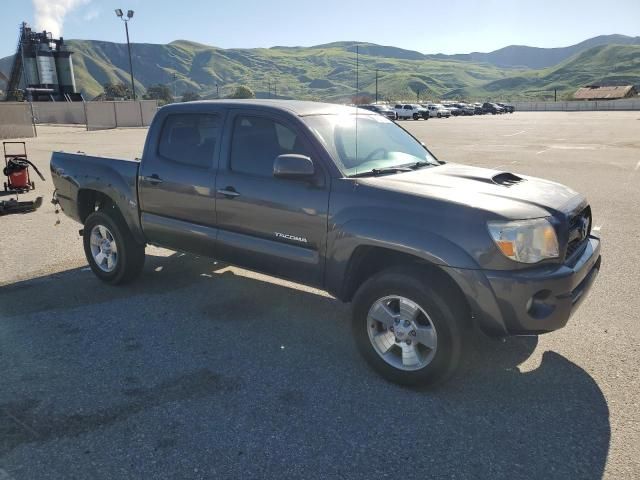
{"points": [[526, 241]]}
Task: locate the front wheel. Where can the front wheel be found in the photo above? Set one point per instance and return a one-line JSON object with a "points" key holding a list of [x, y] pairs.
{"points": [[113, 254], [406, 329], [416, 116]]}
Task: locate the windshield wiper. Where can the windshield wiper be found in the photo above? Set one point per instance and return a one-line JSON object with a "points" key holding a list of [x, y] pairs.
{"points": [[421, 164], [381, 171]]}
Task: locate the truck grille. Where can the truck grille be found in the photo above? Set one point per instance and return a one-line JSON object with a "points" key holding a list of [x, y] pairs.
{"points": [[579, 231]]}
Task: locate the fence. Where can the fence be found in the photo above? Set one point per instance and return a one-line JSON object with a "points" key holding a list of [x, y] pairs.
{"points": [[16, 120], [104, 115], [579, 106], [59, 112]]}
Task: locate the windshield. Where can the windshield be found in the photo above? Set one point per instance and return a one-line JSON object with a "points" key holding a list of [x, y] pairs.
{"points": [[381, 143]]}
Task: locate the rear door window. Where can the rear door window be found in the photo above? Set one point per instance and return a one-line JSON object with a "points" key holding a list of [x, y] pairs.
{"points": [[190, 139]]}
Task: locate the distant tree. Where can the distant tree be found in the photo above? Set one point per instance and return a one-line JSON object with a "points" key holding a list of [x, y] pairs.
{"points": [[243, 92], [190, 97], [116, 91], [159, 92], [361, 100]]}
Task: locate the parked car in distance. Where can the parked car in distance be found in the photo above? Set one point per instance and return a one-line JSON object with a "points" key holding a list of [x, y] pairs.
{"points": [[383, 110], [408, 111], [428, 252], [507, 108], [492, 108], [465, 109], [455, 111], [423, 111], [437, 110]]}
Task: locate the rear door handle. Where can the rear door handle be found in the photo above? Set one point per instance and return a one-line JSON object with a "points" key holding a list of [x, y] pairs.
{"points": [[228, 192], [153, 179]]}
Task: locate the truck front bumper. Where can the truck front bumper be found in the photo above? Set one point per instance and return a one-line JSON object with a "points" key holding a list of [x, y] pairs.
{"points": [[543, 299], [531, 301]]}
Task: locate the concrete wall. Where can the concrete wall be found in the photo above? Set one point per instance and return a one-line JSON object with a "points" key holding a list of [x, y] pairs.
{"points": [[15, 120], [59, 112], [16, 117], [578, 106], [104, 115]]}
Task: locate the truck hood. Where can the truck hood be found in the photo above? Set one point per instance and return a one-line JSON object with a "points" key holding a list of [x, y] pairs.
{"points": [[506, 194]]}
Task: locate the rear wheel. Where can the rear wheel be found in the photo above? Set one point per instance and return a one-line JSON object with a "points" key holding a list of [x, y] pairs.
{"points": [[406, 328], [113, 254]]}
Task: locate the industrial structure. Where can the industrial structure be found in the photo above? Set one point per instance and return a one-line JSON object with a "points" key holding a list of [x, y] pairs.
{"points": [[42, 69]]}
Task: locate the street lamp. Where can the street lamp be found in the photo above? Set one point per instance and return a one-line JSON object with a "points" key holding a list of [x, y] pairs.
{"points": [[126, 28]]}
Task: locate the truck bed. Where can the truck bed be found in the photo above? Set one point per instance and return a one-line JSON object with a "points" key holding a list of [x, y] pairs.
{"points": [[77, 174]]}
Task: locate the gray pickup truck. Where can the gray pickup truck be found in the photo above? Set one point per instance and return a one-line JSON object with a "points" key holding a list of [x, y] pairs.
{"points": [[347, 201]]}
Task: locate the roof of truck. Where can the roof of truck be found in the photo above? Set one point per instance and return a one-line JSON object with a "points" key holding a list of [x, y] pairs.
{"points": [[297, 107]]}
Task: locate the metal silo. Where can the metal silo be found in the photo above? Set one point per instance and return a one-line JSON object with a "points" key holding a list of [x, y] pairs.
{"points": [[64, 67], [46, 65], [30, 68]]}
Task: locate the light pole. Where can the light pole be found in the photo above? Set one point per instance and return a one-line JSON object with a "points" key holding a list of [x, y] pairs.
{"points": [[126, 28], [175, 88], [376, 85]]}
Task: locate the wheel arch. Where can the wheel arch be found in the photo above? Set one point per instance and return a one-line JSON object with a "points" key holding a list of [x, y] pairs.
{"points": [[90, 200], [367, 261]]}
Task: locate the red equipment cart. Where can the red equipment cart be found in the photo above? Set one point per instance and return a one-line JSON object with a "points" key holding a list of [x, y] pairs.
{"points": [[16, 169]]}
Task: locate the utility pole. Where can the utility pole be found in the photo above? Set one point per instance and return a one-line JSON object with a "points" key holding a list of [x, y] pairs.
{"points": [[126, 28], [418, 95], [376, 85], [217, 91], [357, 72], [175, 82], [555, 94]]}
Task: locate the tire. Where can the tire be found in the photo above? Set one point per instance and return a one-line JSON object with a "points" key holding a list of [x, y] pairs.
{"points": [[109, 230], [438, 312], [439, 115], [416, 116]]}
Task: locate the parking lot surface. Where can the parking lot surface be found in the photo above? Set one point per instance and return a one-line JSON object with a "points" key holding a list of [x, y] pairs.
{"points": [[201, 370]]}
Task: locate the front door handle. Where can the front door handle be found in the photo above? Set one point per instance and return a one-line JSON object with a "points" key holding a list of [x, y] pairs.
{"points": [[228, 192], [153, 179]]}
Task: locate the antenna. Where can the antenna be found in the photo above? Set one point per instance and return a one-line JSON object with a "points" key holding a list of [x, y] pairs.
{"points": [[357, 92]]}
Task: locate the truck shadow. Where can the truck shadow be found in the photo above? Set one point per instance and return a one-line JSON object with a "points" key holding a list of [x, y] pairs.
{"points": [[296, 382]]}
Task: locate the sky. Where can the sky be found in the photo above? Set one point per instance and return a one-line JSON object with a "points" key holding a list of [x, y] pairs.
{"points": [[454, 26]]}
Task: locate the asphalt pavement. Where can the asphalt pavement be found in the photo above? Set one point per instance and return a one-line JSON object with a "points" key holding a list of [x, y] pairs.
{"points": [[201, 370]]}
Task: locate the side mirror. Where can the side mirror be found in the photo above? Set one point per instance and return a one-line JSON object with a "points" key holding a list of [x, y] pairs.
{"points": [[293, 166]]}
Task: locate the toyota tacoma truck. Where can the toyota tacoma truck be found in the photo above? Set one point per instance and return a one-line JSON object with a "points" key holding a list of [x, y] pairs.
{"points": [[427, 252]]}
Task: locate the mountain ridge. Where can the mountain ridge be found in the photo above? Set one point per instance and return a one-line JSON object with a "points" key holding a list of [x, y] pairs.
{"points": [[327, 71]]}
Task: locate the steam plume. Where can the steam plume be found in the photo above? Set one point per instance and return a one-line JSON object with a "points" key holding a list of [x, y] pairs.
{"points": [[49, 14]]}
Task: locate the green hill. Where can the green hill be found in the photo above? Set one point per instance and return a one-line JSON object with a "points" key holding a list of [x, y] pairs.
{"points": [[327, 72], [535, 58]]}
